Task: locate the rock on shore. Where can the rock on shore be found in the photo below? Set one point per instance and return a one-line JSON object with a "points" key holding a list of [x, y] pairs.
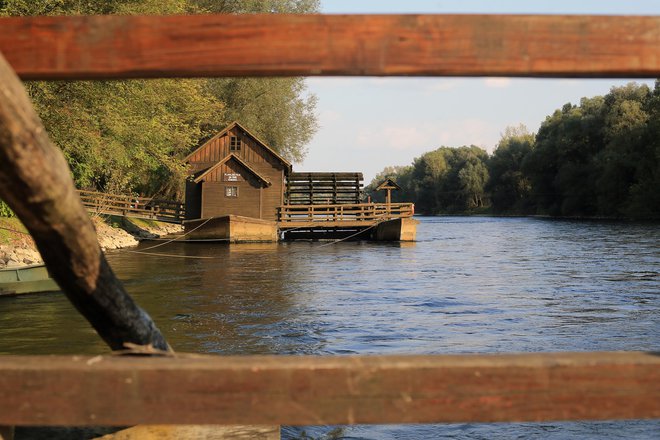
{"points": [[112, 232]]}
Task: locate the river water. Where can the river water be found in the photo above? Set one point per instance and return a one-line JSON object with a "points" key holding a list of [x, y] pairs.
{"points": [[468, 285]]}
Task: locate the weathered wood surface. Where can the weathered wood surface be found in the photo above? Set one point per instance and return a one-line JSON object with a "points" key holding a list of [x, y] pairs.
{"points": [[35, 181], [269, 390], [195, 432], [234, 45], [333, 215]]}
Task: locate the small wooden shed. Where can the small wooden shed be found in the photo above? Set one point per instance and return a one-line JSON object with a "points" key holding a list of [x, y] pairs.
{"points": [[235, 173], [388, 185]]}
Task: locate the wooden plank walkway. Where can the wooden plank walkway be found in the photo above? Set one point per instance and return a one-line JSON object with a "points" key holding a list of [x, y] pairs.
{"points": [[138, 207], [318, 390], [273, 44], [343, 215]]}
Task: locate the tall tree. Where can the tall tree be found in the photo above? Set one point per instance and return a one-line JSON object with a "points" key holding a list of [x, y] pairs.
{"points": [[450, 179], [509, 187], [130, 136], [275, 109]]}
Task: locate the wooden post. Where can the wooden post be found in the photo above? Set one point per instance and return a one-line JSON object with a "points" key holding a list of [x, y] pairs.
{"points": [[35, 182]]}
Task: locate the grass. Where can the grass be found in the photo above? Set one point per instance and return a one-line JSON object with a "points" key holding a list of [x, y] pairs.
{"points": [[10, 231], [143, 223]]}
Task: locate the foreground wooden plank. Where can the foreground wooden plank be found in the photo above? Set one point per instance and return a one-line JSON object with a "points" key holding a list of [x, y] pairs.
{"points": [[328, 390], [230, 45]]}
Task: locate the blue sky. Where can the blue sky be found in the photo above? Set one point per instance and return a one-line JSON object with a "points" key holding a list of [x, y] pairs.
{"points": [[369, 123]]}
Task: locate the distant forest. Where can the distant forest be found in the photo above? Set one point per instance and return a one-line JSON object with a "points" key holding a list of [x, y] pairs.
{"points": [[597, 159]]}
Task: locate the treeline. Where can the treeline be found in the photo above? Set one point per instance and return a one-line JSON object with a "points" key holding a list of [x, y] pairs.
{"points": [[600, 158], [129, 136]]}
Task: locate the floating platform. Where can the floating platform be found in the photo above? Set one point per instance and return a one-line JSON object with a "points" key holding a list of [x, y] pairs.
{"points": [[231, 228], [400, 229], [311, 222]]}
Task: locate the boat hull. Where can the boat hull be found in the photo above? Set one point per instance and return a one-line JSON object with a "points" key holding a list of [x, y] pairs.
{"points": [[26, 279]]}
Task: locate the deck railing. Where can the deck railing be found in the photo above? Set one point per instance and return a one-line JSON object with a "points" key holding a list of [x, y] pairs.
{"points": [[366, 213], [140, 207]]}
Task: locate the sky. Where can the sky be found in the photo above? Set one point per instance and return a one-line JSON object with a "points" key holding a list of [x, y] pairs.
{"points": [[368, 123]]}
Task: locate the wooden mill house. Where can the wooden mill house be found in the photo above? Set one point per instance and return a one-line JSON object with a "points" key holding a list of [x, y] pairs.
{"points": [[235, 173], [240, 189]]}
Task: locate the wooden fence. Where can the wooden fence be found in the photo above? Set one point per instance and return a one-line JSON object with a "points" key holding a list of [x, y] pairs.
{"points": [[323, 188], [139, 207], [361, 214], [304, 390]]}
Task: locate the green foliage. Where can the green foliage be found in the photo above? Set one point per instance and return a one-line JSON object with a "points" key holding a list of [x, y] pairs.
{"points": [[598, 158], [123, 136], [274, 109], [446, 180], [509, 186], [450, 179], [257, 6], [5, 210], [130, 136]]}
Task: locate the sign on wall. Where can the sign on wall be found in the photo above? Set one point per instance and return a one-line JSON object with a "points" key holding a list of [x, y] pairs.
{"points": [[232, 177]]}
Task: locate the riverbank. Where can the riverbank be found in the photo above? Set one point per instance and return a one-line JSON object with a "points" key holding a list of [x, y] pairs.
{"points": [[18, 249]]}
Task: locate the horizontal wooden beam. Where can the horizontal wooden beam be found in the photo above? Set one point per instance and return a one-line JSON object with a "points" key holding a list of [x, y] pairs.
{"points": [[189, 389], [87, 47]]}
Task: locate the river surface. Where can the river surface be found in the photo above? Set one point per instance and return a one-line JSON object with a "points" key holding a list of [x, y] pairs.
{"points": [[469, 285]]}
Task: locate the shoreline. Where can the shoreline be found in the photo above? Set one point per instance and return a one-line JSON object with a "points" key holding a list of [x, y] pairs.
{"points": [[17, 249]]}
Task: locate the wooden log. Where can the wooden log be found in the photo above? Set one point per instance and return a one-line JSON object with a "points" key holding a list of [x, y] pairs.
{"points": [[297, 390], [35, 181], [78, 47]]}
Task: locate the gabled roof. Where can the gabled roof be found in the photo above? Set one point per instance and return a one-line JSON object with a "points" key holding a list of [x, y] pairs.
{"points": [[232, 156], [284, 162], [388, 184]]}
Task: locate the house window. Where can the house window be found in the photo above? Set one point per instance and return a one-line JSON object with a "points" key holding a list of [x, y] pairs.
{"points": [[231, 191], [234, 143]]}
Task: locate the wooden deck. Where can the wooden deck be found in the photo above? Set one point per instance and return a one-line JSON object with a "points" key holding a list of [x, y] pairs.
{"points": [[347, 216], [138, 207]]}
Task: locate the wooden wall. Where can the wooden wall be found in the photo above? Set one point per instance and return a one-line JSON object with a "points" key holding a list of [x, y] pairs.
{"points": [[215, 203]]}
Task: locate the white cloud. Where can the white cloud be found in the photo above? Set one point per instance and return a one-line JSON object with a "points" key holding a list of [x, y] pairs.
{"points": [[328, 117], [497, 83], [418, 137]]}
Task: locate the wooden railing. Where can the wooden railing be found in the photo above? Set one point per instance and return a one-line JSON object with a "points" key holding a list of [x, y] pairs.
{"points": [[76, 390], [362, 213], [318, 390], [138, 207]]}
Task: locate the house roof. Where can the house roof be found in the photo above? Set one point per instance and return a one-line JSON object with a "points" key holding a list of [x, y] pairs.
{"points": [[232, 156], [284, 162], [388, 184]]}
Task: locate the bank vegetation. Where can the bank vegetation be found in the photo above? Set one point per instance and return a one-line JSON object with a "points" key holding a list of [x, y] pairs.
{"points": [[600, 158]]}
